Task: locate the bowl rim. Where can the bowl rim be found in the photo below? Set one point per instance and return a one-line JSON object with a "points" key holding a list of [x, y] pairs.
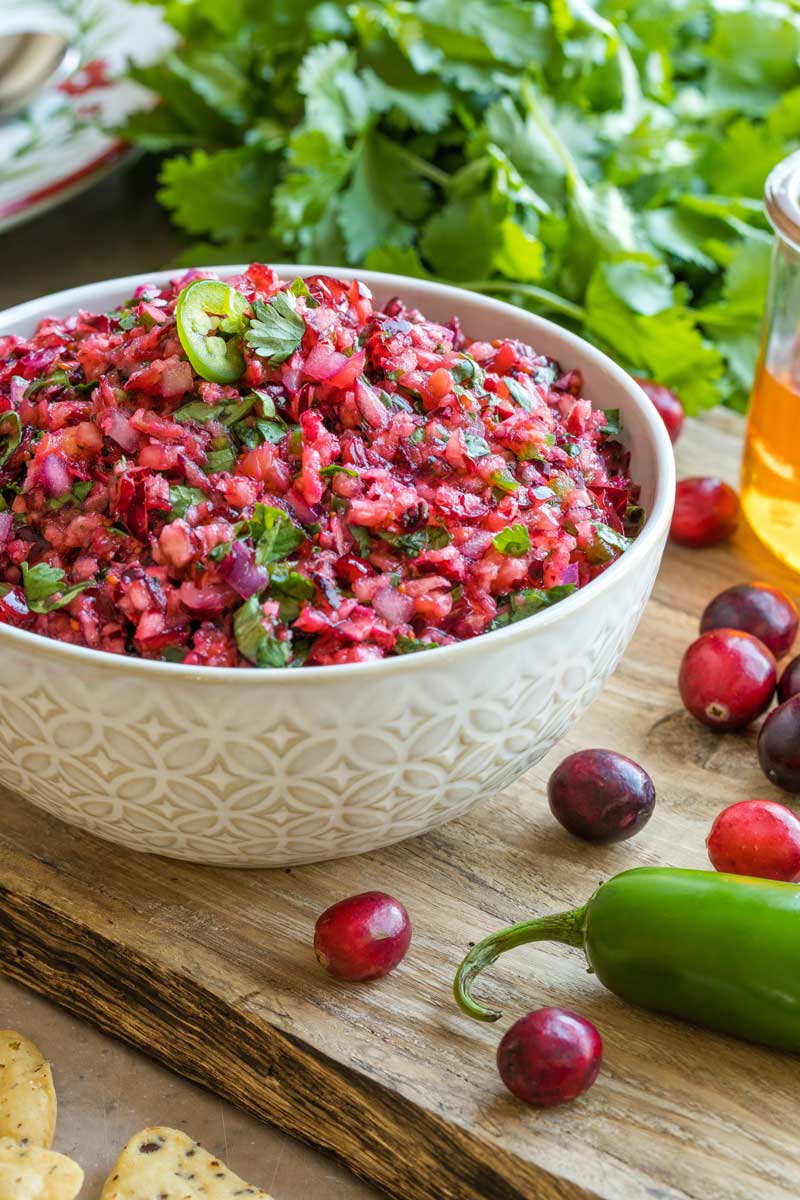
{"points": [[654, 531]]}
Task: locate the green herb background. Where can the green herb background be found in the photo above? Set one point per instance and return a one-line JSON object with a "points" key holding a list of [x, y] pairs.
{"points": [[602, 164]]}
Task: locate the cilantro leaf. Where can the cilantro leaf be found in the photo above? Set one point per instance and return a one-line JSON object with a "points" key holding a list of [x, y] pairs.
{"points": [[44, 587], [275, 535], [363, 539], [181, 498], [277, 329], [409, 645], [529, 601], [10, 435], [600, 163], [514, 540], [255, 643]]}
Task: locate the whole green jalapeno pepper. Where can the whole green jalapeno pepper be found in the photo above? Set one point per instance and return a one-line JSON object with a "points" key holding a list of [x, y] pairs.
{"points": [[720, 950], [206, 311]]}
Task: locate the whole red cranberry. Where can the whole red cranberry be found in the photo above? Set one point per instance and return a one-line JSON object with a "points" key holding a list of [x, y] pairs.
{"points": [[550, 1056], [789, 682], [756, 837], [779, 745], [706, 511], [756, 608], [727, 678], [601, 796], [667, 404], [363, 937]]}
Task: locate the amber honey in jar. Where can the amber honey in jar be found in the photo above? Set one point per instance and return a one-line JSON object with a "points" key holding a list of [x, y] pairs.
{"points": [[770, 492]]}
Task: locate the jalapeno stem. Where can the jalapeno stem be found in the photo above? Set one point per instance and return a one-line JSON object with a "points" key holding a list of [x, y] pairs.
{"points": [[566, 927]]}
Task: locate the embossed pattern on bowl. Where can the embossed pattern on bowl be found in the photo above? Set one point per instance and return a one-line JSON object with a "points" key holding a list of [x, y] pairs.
{"points": [[270, 768]]}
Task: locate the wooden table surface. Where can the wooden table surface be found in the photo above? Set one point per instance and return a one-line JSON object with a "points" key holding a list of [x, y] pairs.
{"points": [[106, 1090]]}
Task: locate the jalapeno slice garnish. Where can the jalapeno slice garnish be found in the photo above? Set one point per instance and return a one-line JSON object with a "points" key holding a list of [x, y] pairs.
{"points": [[210, 317]]}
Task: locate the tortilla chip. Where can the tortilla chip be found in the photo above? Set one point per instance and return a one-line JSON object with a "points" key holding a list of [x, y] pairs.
{"points": [[166, 1163], [31, 1173], [27, 1095]]}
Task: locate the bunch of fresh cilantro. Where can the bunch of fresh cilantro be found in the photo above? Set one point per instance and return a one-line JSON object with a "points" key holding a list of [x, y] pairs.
{"points": [[602, 163]]}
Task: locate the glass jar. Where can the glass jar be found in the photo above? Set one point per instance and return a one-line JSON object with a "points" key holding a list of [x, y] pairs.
{"points": [[770, 491]]}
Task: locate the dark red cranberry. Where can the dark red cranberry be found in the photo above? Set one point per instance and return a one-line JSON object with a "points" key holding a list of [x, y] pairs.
{"points": [[706, 511], [550, 1056], [727, 678], [756, 837], [363, 937], [601, 796], [789, 682], [779, 745], [756, 608], [667, 404]]}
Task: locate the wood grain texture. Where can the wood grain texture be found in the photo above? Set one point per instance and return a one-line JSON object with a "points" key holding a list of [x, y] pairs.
{"points": [[212, 973]]}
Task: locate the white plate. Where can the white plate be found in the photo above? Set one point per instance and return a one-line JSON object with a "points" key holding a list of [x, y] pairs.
{"points": [[61, 145]]}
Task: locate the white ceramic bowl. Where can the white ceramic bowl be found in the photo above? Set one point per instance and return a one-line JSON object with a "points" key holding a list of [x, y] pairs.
{"points": [[268, 767]]}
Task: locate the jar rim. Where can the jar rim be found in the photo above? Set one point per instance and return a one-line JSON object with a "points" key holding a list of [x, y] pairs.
{"points": [[782, 199]]}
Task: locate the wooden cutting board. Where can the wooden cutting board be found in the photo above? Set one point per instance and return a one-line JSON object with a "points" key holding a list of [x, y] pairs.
{"points": [[212, 972]]}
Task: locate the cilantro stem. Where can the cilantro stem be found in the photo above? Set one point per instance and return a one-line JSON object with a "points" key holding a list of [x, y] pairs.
{"points": [[548, 300], [425, 168]]}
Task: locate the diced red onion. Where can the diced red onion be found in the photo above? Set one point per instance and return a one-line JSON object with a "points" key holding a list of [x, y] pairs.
{"points": [[116, 425], [17, 389], [393, 606], [571, 574], [54, 476], [240, 570], [307, 514], [6, 525]]}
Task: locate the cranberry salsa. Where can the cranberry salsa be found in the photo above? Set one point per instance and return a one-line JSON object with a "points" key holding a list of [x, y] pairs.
{"points": [[261, 473]]}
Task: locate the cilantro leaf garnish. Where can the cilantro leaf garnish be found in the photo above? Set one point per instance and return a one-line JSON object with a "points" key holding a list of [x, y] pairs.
{"points": [[254, 642], [44, 587], [277, 328], [607, 541], [529, 601], [275, 535], [612, 424], [519, 393], [58, 378], [182, 497], [10, 435], [76, 495], [409, 645], [514, 540]]}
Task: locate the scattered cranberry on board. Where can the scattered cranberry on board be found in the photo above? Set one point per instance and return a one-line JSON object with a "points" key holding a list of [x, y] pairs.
{"points": [[601, 796], [756, 837], [667, 405], [757, 608], [779, 745], [727, 678], [363, 937], [549, 1056], [789, 682], [706, 511]]}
